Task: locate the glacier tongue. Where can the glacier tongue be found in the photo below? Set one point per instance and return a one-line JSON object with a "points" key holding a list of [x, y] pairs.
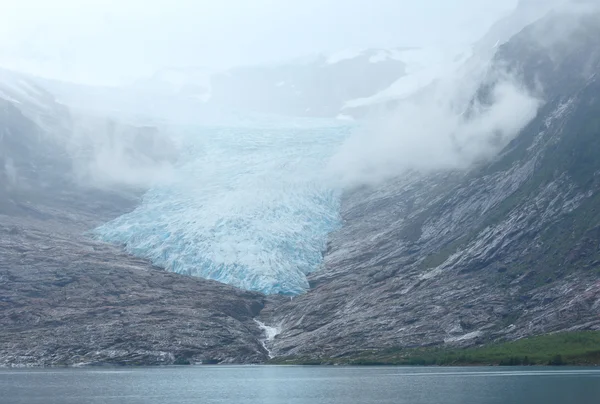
{"points": [[247, 207]]}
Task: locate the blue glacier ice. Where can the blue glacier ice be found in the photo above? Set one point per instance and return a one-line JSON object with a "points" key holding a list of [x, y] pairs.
{"points": [[250, 207]]}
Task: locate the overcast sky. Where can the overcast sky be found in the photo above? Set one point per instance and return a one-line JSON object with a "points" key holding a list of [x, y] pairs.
{"points": [[114, 41]]}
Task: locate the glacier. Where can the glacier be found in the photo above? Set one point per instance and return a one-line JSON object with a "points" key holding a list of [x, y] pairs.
{"points": [[247, 206]]}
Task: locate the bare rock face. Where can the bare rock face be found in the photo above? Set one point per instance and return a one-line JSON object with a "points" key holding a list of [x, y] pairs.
{"points": [[66, 299], [506, 250]]}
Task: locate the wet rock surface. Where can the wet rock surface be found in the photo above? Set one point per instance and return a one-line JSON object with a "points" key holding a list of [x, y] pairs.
{"points": [[66, 299], [507, 250]]}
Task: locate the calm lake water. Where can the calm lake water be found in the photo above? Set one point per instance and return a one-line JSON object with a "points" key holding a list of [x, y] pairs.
{"points": [[302, 385]]}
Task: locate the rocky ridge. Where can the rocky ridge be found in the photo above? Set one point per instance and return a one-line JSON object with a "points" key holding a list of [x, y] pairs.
{"points": [[506, 250], [66, 299]]}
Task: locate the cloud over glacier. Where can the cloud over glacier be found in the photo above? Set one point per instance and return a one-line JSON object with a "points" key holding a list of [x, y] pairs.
{"points": [[247, 207]]}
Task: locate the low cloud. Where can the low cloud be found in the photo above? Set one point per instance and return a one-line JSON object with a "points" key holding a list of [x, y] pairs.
{"points": [[443, 129], [438, 130], [107, 154], [10, 171]]}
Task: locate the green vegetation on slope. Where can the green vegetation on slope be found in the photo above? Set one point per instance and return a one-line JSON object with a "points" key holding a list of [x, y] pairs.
{"points": [[568, 348]]}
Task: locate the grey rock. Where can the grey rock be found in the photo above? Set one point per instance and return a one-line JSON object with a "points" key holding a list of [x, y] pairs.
{"points": [[66, 299], [506, 250]]}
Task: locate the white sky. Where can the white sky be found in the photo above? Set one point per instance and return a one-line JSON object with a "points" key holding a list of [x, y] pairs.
{"points": [[113, 41]]}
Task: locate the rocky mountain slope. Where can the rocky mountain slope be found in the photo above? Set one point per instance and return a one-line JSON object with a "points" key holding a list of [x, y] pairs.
{"points": [[67, 299], [434, 67], [505, 250]]}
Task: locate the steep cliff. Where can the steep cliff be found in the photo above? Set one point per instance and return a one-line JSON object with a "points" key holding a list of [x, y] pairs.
{"points": [[66, 299], [504, 250]]}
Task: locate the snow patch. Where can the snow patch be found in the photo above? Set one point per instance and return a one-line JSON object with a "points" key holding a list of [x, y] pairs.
{"points": [[379, 56], [342, 55], [15, 89], [465, 337], [8, 98], [423, 67]]}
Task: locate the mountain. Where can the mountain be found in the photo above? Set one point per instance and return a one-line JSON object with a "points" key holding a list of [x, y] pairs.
{"points": [[505, 250], [317, 87], [493, 244], [66, 298], [426, 68], [31, 155], [192, 82], [323, 85], [525, 13]]}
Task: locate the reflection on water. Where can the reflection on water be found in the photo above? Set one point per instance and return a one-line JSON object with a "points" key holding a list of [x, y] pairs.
{"points": [[302, 385]]}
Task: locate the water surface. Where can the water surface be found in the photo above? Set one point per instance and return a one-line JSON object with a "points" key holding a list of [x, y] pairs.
{"points": [[301, 385]]}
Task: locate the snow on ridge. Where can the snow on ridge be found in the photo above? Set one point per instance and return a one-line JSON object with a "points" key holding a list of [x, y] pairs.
{"points": [[423, 67], [375, 55], [16, 89], [382, 55], [8, 98], [379, 56], [342, 55]]}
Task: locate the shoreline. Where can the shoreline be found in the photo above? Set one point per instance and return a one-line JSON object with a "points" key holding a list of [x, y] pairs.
{"points": [[566, 349]]}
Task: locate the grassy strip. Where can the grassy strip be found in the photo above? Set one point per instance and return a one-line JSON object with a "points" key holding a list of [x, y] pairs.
{"points": [[568, 348]]}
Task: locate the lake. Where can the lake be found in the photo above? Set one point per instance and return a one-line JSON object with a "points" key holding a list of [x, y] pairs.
{"points": [[301, 385]]}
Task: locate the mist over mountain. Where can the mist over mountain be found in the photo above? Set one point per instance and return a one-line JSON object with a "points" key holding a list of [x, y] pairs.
{"points": [[503, 250], [319, 87], [443, 194]]}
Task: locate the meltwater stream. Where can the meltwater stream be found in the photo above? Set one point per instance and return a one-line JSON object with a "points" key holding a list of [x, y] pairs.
{"points": [[250, 207]]}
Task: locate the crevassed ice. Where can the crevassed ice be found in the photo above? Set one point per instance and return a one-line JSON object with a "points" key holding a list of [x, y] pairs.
{"points": [[247, 207]]}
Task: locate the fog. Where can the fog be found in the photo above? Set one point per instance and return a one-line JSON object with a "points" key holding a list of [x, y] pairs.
{"points": [[131, 71], [444, 126], [117, 41], [434, 132], [106, 153]]}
